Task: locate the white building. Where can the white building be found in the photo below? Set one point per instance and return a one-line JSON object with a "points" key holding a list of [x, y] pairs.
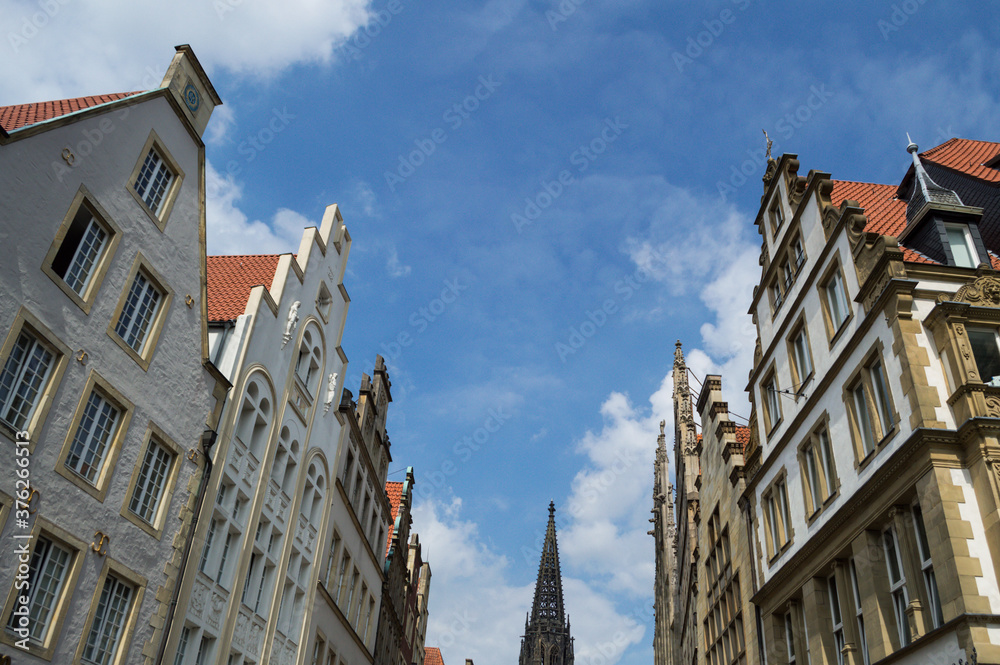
{"points": [[286, 488], [106, 389]]}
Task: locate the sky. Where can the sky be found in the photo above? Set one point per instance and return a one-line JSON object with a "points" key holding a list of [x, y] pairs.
{"points": [[543, 196]]}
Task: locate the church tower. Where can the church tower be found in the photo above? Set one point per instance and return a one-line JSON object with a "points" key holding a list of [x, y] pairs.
{"points": [[546, 639]]}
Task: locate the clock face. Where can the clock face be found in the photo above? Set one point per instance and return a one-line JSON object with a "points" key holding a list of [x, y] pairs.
{"points": [[192, 98]]}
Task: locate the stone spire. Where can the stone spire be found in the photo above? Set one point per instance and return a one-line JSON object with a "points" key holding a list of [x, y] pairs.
{"points": [[546, 639]]}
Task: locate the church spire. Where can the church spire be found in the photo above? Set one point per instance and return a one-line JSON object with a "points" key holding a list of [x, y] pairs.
{"points": [[546, 638], [547, 607]]}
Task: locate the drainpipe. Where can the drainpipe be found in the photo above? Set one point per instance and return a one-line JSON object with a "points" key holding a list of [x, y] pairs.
{"points": [[208, 438]]}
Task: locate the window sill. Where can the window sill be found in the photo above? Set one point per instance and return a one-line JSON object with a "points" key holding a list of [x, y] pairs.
{"points": [[840, 331]]}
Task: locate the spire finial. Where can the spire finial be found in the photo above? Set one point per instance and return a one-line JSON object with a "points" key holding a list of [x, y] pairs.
{"points": [[911, 147], [552, 508]]}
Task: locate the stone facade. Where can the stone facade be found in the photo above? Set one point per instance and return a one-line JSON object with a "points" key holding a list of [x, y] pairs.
{"points": [[109, 396]]}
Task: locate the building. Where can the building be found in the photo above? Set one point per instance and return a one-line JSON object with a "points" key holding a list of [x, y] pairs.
{"points": [[546, 639], [275, 327], [873, 464], [108, 394], [714, 588]]}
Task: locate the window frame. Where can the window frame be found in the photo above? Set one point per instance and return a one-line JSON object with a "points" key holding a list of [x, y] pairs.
{"points": [[968, 240], [776, 215], [898, 588], [84, 200], [816, 458], [875, 406], [926, 562], [26, 321], [138, 584], [156, 324], [799, 380], [46, 649], [777, 516], [99, 488], [157, 217], [834, 272], [162, 512], [769, 390]]}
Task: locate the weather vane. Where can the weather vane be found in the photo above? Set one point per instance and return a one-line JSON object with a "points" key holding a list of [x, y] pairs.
{"points": [[769, 142]]}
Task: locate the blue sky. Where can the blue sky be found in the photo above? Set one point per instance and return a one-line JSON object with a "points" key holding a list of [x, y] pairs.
{"points": [[543, 196]]}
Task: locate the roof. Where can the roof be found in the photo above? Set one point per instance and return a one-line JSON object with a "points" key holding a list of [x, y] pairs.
{"points": [[21, 115], [743, 436], [886, 214], [432, 656], [395, 493], [968, 157], [230, 279]]}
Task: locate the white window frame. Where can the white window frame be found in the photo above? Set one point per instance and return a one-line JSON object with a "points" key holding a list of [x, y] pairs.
{"points": [[91, 445], [771, 398], [27, 369], [151, 484], [44, 597], [111, 618], [927, 565], [897, 587], [966, 240], [835, 296], [138, 315]]}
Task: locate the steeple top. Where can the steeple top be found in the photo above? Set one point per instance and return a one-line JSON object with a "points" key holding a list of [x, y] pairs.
{"points": [[678, 354], [925, 191]]}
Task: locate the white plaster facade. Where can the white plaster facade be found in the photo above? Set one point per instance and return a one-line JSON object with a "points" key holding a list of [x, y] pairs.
{"points": [[108, 508]]}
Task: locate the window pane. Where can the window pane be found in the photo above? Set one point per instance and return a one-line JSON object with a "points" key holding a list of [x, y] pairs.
{"points": [[109, 620], [149, 485], [137, 312], [153, 180], [836, 299], [881, 394], [24, 375], [864, 418], [47, 572], [961, 246], [984, 348], [90, 443]]}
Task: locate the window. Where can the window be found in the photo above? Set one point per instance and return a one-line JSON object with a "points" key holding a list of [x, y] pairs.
{"points": [[152, 183], [927, 566], [772, 408], [78, 257], [25, 374], [94, 434], [724, 638], [835, 305], [802, 368], [48, 571], [870, 405], [777, 295], [837, 619], [777, 214], [152, 479], [136, 317], [331, 564], [309, 362], [790, 638], [182, 646], [109, 622], [818, 470], [859, 612], [777, 517], [222, 559], [797, 253], [208, 545], [204, 654], [897, 584], [788, 276], [986, 349], [342, 579], [368, 619], [963, 249]]}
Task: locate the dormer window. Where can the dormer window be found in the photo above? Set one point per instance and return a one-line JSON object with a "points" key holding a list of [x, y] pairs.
{"points": [[963, 249]]}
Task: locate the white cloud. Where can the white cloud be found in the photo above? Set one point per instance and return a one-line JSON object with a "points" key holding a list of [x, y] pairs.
{"points": [[475, 612], [394, 266], [230, 231], [62, 48]]}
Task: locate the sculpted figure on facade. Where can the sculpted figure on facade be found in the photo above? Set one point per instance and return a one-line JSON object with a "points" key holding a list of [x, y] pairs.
{"points": [[293, 320]]}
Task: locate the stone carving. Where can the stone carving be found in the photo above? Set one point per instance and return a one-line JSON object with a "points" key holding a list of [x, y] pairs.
{"points": [[293, 320], [240, 633], [993, 407], [198, 598], [663, 425], [218, 604], [253, 646], [983, 291], [331, 390]]}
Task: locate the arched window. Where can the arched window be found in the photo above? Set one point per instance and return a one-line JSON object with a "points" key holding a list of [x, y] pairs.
{"points": [[309, 364], [254, 418]]}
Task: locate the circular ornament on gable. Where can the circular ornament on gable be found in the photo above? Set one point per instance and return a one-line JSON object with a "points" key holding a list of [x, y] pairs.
{"points": [[192, 98]]}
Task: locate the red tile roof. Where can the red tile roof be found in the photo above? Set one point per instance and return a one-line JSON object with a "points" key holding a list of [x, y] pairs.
{"points": [[230, 279], [886, 214], [743, 436], [968, 157], [22, 115], [432, 656], [395, 493]]}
